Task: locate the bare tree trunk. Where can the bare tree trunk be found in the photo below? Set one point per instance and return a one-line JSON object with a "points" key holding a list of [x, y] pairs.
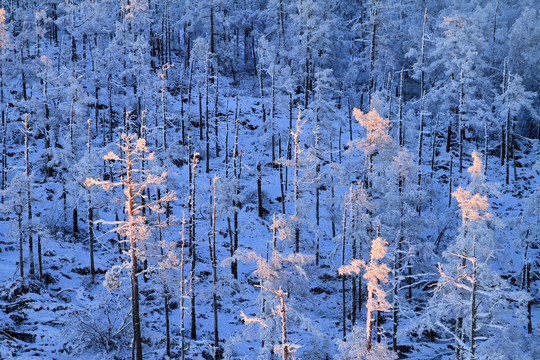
{"points": [[461, 127], [354, 255], [18, 211], [372, 53], [395, 305], [182, 118], [343, 297], [503, 127], [450, 180], [28, 193], [507, 148], [201, 122], [90, 218], [167, 323], [163, 77], [422, 106], [369, 322], [4, 131], [401, 123], [273, 114], [434, 145], [259, 192], [192, 246], [109, 92], [307, 72], [261, 93], [378, 318], [289, 142], [212, 32], [237, 206], [473, 300], [332, 191], [214, 270], [40, 262], [75, 215], [281, 178], [182, 290], [317, 198], [350, 118], [137, 339], [216, 127], [296, 136], [227, 138], [206, 114], [236, 174], [512, 147], [4, 154], [486, 139], [283, 313], [529, 303]]}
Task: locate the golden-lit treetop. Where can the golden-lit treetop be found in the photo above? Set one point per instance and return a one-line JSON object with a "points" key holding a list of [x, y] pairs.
{"points": [[472, 206]]}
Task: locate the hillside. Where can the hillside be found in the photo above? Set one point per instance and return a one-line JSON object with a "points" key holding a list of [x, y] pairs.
{"points": [[269, 179]]}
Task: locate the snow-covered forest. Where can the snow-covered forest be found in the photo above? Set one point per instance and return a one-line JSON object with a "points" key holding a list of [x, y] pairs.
{"points": [[279, 179]]}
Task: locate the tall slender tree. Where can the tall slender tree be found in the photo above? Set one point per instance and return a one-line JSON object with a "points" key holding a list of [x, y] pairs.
{"points": [[134, 180]]}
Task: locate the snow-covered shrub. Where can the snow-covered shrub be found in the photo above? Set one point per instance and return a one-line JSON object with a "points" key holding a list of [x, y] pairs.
{"points": [[103, 327], [355, 347], [112, 278]]}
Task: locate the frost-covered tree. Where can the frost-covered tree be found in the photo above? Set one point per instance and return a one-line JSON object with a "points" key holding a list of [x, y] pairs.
{"points": [[530, 241], [283, 270], [375, 273], [458, 65], [513, 98], [523, 42], [388, 173], [134, 180], [472, 300]]}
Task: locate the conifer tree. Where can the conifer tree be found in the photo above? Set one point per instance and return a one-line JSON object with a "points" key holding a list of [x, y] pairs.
{"points": [[134, 180], [375, 273], [470, 295]]}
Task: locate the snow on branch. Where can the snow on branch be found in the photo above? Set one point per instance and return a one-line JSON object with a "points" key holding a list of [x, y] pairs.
{"points": [[251, 320], [472, 205]]}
